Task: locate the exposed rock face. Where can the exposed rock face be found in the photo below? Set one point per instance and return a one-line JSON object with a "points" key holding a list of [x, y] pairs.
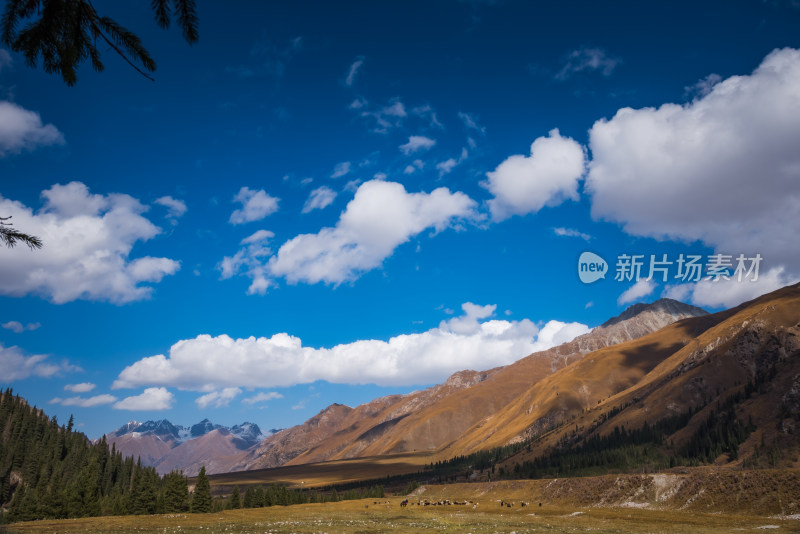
{"points": [[167, 446]]}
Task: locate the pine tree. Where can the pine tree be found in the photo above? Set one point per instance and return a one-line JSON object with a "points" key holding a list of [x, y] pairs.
{"points": [[176, 492], [235, 501], [249, 497], [201, 500]]}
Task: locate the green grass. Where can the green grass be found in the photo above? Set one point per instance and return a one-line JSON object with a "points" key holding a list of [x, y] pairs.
{"points": [[365, 516]]}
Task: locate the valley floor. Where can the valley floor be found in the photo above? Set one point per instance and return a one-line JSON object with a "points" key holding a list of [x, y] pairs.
{"points": [[704, 500], [365, 516]]}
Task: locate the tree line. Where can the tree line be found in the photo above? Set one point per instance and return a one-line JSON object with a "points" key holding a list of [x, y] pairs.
{"points": [[50, 471]]}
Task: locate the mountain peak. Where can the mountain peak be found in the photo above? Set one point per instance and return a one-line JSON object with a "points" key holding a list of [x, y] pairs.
{"points": [[663, 306]]}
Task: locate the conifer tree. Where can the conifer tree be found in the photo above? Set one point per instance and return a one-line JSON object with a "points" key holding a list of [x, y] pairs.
{"points": [[235, 502], [201, 500]]}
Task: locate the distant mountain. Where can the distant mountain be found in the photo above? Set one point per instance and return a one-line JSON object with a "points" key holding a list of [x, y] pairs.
{"points": [[166, 446], [439, 416]]}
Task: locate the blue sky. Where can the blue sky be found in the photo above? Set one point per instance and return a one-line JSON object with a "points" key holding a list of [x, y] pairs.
{"points": [[330, 201]]}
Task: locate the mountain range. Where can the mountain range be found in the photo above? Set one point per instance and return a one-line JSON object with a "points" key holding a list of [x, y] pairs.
{"points": [[166, 446], [664, 363], [426, 421]]}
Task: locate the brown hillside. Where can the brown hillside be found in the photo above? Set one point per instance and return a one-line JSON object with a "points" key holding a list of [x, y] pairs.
{"points": [[694, 363], [429, 420]]}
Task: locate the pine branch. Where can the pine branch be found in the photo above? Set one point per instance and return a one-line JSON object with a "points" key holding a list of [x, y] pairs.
{"points": [[9, 237], [187, 17], [161, 10]]}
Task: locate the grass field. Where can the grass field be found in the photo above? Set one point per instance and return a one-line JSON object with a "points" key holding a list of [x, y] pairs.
{"points": [[724, 502], [364, 516]]}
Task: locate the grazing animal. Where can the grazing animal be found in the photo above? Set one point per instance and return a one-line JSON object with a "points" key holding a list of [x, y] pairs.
{"points": [[404, 503]]}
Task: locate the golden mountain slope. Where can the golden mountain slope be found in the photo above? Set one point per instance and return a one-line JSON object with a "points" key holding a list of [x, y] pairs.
{"points": [[429, 420], [694, 363]]}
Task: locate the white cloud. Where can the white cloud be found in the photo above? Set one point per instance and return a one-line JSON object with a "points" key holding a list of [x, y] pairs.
{"points": [[5, 59], [176, 208], [151, 399], [703, 86], [83, 387], [417, 143], [571, 232], [470, 122], [255, 205], [249, 260], [381, 216], [87, 243], [320, 198], [472, 341], [353, 71], [679, 292], [341, 169], [428, 114], [384, 118], [352, 185], [21, 129], [17, 366], [640, 289], [448, 165], [415, 165], [83, 402], [728, 293], [525, 184], [723, 169], [18, 328], [217, 399], [262, 397], [587, 59]]}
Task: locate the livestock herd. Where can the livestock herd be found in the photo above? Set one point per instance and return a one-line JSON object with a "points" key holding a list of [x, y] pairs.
{"points": [[447, 502]]}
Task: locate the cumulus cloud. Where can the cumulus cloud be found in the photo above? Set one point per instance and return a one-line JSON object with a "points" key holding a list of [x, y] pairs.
{"points": [[151, 399], [87, 244], [352, 72], [84, 402], [83, 387], [320, 198], [640, 289], [18, 328], [17, 366], [525, 184], [723, 169], [255, 205], [217, 399], [250, 260], [703, 86], [262, 397], [175, 208], [587, 60], [21, 129], [341, 169], [571, 232], [472, 340], [381, 216], [728, 293], [417, 143]]}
